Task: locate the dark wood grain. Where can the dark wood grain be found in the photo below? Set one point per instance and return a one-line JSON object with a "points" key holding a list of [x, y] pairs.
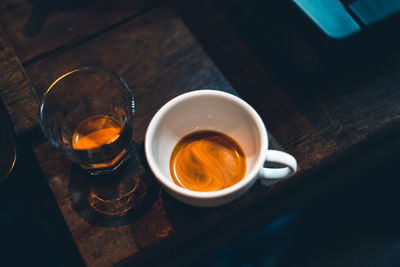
{"points": [[325, 124], [159, 59], [316, 119], [16, 90], [38, 27], [98, 246], [155, 54], [156, 224]]}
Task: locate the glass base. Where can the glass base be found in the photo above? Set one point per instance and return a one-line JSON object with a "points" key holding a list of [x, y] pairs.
{"points": [[109, 167]]}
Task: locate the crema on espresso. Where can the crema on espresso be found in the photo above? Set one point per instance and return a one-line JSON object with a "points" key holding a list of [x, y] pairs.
{"points": [[207, 161]]}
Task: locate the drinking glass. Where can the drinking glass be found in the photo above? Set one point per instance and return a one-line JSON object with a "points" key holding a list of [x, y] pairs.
{"points": [[88, 113]]}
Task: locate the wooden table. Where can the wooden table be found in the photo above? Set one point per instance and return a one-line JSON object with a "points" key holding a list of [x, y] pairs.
{"points": [[333, 130]]}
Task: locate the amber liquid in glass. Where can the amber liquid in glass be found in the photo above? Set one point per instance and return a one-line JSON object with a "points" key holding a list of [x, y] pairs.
{"points": [[207, 161], [95, 132]]}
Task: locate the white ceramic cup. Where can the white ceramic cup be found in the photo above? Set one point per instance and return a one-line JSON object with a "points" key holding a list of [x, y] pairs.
{"points": [[218, 111]]}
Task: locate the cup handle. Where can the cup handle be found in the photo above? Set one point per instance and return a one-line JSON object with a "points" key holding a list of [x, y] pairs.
{"points": [[279, 157]]}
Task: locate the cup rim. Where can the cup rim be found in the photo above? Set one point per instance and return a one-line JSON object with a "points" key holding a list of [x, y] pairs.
{"points": [[208, 194]]}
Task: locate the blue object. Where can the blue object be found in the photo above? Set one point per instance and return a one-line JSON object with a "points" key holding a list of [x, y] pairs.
{"points": [[373, 11], [330, 16], [334, 18]]}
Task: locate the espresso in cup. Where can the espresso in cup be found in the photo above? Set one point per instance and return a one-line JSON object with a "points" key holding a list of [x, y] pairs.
{"points": [[198, 134], [207, 161]]}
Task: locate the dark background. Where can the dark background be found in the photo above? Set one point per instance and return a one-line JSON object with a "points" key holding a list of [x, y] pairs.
{"points": [[352, 224]]}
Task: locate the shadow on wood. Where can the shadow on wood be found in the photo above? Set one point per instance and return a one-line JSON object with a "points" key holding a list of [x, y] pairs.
{"points": [[117, 199]]}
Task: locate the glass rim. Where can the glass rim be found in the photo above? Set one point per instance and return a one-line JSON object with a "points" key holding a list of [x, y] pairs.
{"points": [[82, 69], [67, 74]]}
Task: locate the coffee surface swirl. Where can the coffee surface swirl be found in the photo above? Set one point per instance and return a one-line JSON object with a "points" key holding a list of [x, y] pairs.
{"points": [[207, 161]]}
